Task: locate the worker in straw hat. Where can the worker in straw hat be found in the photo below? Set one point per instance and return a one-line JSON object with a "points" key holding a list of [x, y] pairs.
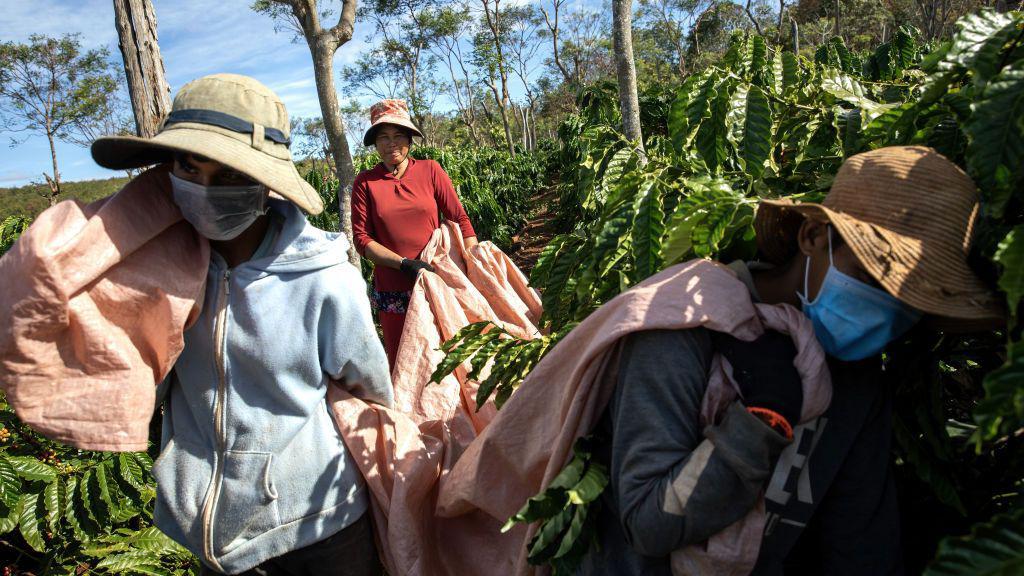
{"points": [[253, 477], [395, 208], [886, 248]]}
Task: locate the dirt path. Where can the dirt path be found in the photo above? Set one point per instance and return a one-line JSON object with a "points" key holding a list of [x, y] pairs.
{"points": [[527, 245]]}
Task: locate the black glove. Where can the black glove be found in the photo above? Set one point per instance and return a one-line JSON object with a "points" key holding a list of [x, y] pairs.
{"points": [[765, 372], [413, 267]]}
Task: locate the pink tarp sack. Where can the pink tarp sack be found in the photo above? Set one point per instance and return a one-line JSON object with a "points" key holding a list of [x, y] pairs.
{"points": [[405, 453], [94, 302], [439, 503], [469, 286]]}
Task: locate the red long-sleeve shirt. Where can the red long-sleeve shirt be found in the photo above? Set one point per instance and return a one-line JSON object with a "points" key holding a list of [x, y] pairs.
{"points": [[402, 213]]}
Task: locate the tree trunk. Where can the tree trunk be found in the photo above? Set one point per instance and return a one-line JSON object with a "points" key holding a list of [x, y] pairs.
{"points": [[753, 20], [525, 111], [503, 112], [531, 122], [504, 118], [517, 114], [503, 101], [796, 36], [53, 183], [625, 70], [533, 129], [507, 125], [835, 7], [469, 116], [143, 65], [323, 43], [323, 66], [414, 100]]}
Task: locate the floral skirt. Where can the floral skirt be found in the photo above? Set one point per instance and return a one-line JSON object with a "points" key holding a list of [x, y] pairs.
{"points": [[391, 308], [390, 302]]}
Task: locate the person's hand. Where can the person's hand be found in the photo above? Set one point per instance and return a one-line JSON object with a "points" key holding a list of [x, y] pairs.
{"points": [[412, 267], [765, 373]]}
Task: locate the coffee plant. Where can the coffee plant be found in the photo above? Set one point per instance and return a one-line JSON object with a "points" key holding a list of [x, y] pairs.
{"points": [[68, 511], [10, 229], [761, 123], [767, 123]]}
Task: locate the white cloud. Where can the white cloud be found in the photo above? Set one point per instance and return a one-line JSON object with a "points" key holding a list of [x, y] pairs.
{"points": [[232, 38], [298, 91], [199, 38]]}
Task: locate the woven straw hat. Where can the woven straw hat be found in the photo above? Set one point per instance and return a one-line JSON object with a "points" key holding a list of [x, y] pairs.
{"points": [[231, 119], [908, 214], [389, 112]]}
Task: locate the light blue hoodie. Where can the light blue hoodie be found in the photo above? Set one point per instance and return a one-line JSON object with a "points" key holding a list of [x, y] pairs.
{"points": [[252, 465]]}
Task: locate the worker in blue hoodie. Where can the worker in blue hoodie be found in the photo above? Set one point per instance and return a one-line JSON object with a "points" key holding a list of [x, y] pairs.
{"points": [[253, 476]]}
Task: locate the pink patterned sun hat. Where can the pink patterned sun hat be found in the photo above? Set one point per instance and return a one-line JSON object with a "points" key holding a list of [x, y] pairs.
{"points": [[389, 112]]}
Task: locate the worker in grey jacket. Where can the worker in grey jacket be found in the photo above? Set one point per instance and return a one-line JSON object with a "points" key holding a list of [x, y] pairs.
{"points": [[887, 247], [253, 476]]}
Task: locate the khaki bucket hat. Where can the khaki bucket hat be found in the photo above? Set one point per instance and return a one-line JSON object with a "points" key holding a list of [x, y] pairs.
{"points": [[389, 112], [908, 214], [229, 118]]}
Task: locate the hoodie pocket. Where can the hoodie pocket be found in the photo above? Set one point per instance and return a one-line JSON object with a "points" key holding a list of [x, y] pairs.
{"points": [[247, 504], [182, 473]]}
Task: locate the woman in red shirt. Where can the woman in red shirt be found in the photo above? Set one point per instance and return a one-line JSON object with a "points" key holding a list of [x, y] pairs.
{"points": [[395, 209]]}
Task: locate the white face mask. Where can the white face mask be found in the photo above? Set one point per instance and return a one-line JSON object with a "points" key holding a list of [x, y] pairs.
{"points": [[219, 212]]}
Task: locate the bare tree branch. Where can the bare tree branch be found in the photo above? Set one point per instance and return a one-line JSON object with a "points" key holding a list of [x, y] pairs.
{"points": [[556, 49], [752, 19]]}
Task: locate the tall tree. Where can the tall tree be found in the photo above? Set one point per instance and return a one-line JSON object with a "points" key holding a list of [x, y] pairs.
{"points": [[304, 17], [625, 70], [662, 25], [709, 36], [143, 65], [50, 86], [450, 25], [404, 31], [551, 20], [585, 45], [490, 52], [524, 42], [113, 118], [377, 71]]}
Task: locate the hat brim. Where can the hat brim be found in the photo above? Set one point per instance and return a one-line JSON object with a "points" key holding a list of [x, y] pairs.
{"points": [[368, 137], [278, 175], [940, 286]]}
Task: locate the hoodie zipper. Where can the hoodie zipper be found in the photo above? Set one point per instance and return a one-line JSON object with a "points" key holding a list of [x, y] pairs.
{"points": [[219, 335]]}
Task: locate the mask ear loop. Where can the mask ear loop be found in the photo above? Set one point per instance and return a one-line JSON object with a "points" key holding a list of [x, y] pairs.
{"points": [[807, 271], [807, 267], [264, 206]]}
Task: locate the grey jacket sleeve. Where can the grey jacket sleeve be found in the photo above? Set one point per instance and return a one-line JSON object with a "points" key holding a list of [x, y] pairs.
{"points": [[350, 351], [676, 484]]}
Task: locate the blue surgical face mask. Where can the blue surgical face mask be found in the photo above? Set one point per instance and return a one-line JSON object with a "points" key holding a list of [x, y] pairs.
{"points": [[852, 320], [219, 212]]}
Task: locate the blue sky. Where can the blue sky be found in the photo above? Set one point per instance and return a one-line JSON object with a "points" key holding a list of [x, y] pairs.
{"points": [[197, 37]]}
